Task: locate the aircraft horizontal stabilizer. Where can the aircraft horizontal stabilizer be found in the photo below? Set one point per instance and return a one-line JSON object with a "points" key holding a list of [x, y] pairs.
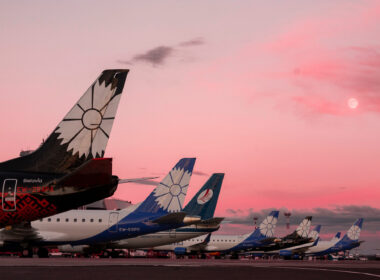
{"points": [[94, 172], [134, 180], [171, 218], [212, 221]]}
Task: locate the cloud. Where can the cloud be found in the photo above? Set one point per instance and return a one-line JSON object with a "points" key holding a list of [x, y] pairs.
{"points": [[324, 62], [335, 219], [158, 56], [155, 56], [199, 173], [348, 72], [193, 42]]}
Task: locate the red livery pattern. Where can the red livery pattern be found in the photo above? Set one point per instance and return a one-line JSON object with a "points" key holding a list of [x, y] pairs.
{"points": [[29, 207]]}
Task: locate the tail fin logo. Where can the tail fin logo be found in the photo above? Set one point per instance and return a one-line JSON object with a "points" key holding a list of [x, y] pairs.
{"points": [[205, 196], [268, 226], [354, 232], [303, 228], [170, 193], [87, 126], [314, 234]]}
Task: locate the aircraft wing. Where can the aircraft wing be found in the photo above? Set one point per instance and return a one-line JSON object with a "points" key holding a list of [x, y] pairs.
{"points": [[300, 249], [25, 233], [20, 233]]}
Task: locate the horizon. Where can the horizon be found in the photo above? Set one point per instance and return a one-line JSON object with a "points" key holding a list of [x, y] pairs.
{"points": [[284, 98]]}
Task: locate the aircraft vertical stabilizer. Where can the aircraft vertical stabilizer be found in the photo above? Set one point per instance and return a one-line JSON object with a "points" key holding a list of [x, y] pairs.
{"points": [[82, 134], [169, 195], [266, 228], [203, 204], [314, 234], [353, 233]]}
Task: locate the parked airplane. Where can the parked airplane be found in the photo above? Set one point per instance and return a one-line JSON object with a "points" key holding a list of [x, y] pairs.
{"points": [[64, 172], [161, 210], [228, 243], [298, 249], [349, 241], [298, 237], [202, 205]]}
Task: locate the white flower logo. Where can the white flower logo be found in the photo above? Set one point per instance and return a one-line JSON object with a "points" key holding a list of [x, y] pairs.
{"points": [[86, 128], [314, 235], [170, 193], [303, 228], [268, 226], [354, 232]]}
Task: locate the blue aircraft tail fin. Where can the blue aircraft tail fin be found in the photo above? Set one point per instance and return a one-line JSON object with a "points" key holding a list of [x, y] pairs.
{"points": [[266, 228], [353, 233], [203, 204], [314, 234], [169, 195]]}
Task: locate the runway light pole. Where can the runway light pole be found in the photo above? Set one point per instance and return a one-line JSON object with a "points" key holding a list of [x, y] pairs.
{"points": [[255, 221], [287, 215]]}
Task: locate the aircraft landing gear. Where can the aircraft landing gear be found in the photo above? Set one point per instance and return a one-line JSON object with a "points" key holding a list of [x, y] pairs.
{"points": [[42, 253]]}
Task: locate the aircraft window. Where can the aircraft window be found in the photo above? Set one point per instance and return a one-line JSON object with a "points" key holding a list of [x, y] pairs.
{"points": [[41, 220], [67, 219], [100, 220], [92, 220], [75, 220], [83, 220], [49, 220], [58, 219]]}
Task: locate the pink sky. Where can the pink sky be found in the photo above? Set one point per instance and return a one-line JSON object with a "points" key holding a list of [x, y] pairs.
{"points": [[262, 97]]}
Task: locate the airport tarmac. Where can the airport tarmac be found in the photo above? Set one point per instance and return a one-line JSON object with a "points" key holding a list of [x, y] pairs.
{"points": [[78, 268]]}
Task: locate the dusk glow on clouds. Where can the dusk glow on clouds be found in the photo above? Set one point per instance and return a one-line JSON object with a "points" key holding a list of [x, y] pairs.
{"points": [[257, 92]]}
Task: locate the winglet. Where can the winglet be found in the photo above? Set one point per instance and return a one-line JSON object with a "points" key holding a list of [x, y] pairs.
{"points": [[316, 242], [207, 239]]}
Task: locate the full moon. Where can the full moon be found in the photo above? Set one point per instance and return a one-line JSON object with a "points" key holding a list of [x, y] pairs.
{"points": [[353, 103]]}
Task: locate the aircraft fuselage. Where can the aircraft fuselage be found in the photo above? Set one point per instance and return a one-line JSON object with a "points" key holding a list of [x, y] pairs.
{"points": [[27, 197]]}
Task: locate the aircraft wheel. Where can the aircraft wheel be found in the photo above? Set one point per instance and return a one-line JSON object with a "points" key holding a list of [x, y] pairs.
{"points": [[27, 253], [43, 253]]}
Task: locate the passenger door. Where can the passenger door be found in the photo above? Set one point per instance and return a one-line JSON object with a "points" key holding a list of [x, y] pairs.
{"points": [[113, 222], [9, 195]]}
